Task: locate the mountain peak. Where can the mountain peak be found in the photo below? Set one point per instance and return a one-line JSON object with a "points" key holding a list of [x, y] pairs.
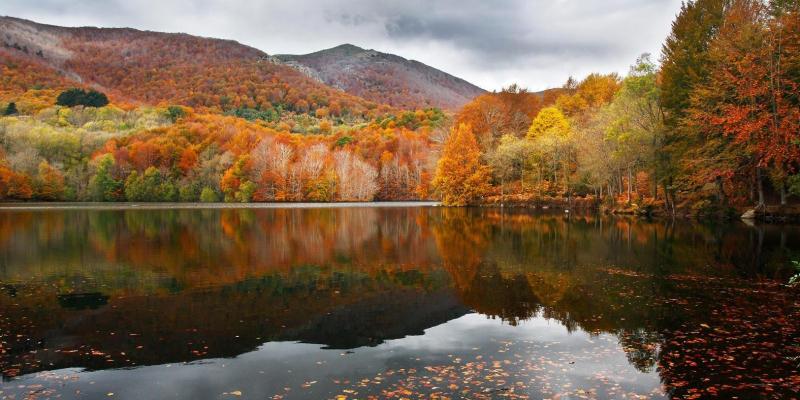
{"points": [[384, 78], [347, 47]]}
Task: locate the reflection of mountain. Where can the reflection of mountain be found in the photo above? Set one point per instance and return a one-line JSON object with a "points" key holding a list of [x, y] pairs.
{"points": [[346, 310], [80, 301], [391, 315]]}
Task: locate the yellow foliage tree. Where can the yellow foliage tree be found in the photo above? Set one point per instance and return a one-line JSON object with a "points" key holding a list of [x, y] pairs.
{"points": [[550, 122], [461, 177], [550, 134]]}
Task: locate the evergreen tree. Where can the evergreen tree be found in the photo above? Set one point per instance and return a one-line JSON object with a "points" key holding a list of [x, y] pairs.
{"points": [[79, 97], [684, 56], [684, 66], [11, 109]]}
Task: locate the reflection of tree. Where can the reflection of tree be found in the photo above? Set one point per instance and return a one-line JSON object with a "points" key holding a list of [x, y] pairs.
{"points": [[461, 235], [191, 276], [510, 299], [641, 347]]}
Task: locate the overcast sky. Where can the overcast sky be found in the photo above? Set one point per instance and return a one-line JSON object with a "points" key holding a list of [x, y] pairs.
{"points": [[536, 43]]}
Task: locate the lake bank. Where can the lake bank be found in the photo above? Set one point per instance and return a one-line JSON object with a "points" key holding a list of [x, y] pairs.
{"points": [[770, 214], [200, 206]]}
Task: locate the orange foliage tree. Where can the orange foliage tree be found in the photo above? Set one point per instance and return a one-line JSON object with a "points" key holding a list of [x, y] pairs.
{"points": [[461, 176]]}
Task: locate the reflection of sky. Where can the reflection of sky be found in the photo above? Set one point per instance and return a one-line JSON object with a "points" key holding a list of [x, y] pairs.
{"points": [[561, 359]]}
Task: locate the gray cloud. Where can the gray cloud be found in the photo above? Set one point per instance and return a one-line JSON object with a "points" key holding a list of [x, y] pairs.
{"points": [[537, 43]]}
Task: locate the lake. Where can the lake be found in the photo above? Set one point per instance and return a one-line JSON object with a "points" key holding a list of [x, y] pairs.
{"points": [[392, 302]]}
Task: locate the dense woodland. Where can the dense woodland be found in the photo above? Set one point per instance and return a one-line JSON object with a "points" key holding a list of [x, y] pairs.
{"points": [[712, 123]]}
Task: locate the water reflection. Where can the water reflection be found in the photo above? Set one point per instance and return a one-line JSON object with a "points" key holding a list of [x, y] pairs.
{"points": [[105, 289]]}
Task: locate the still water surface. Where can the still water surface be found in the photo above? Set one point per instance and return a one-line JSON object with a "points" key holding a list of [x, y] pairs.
{"points": [[395, 302]]}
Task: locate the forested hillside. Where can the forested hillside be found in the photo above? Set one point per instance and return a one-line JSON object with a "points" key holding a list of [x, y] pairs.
{"points": [[151, 67], [710, 126]]}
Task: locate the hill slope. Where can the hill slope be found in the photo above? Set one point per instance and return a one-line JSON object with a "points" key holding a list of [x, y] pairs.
{"points": [[153, 67], [384, 78]]}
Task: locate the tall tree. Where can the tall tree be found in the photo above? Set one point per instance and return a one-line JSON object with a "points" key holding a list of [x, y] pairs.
{"points": [[684, 66], [461, 177], [551, 134], [750, 100], [636, 123]]}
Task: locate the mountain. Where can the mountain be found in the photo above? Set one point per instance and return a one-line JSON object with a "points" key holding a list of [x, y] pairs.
{"points": [[384, 78], [151, 67]]}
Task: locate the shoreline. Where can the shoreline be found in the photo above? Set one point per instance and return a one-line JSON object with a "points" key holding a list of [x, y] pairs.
{"points": [[39, 206]]}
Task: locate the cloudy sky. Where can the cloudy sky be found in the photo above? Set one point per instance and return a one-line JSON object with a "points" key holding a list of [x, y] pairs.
{"points": [[536, 43]]}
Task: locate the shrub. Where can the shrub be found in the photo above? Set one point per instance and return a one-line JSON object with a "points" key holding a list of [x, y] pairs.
{"points": [[208, 195]]}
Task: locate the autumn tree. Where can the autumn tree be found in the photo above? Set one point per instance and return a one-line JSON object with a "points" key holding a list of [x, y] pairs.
{"points": [[551, 133], [684, 66], [749, 102], [49, 183], [593, 92], [356, 180], [635, 125], [461, 177], [511, 159], [493, 115]]}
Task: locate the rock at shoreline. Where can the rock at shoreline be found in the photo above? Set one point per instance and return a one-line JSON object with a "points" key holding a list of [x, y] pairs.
{"points": [[749, 214]]}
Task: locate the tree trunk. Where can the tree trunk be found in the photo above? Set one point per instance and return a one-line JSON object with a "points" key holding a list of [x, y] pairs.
{"points": [[655, 187], [783, 193], [721, 198], [502, 191], [669, 196], [760, 189], [630, 183]]}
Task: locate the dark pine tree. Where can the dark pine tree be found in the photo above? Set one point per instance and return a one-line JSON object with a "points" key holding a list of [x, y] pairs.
{"points": [[11, 109]]}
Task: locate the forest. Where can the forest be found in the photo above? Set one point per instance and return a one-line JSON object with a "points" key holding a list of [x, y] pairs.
{"points": [[709, 126]]}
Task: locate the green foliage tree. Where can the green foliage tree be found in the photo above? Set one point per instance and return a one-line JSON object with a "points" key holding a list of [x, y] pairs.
{"points": [[635, 124], [103, 186], [174, 113], [189, 191], [685, 65], [79, 97], [11, 109], [208, 195], [510, 159], [245, 192], [149, 186], [684, 56]]}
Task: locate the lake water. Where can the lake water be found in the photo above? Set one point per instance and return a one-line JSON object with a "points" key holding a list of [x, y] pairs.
{"points": [[392, 302]]}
